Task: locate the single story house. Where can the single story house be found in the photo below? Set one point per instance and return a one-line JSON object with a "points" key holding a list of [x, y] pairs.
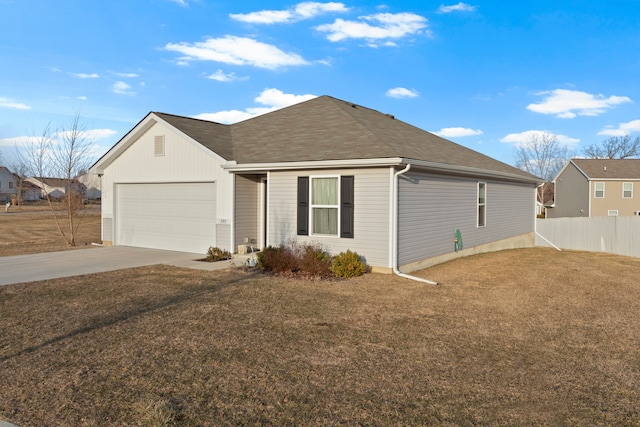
{"points": [[92, 186], [324, 171], [54, 187], [7, 185], [597, 187]]}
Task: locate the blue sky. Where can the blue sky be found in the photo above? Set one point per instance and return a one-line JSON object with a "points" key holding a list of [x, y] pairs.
{"points": [[485, 74]]}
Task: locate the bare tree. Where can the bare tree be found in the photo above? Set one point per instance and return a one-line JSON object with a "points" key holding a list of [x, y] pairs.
{"points": [[61, 154], [543, 156], [20, 171], [614, 147]]}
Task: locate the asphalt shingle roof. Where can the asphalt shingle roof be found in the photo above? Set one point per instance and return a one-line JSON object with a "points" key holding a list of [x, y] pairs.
{"points": [[609, 168], [327, 128]]}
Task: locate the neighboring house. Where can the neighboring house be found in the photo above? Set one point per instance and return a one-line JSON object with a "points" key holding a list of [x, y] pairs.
{"points": [[30, 192], [92, 184], [597, 187], [324, 171], [54, 187], [7, 185], [544, 197]]}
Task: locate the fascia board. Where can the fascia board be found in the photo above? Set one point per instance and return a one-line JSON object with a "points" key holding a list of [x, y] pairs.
{"points": [[578, 168], [469, 171], [124, 143], [143, 126], [321, 164]]}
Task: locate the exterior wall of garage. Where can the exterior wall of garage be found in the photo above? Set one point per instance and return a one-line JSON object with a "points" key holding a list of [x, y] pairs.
{"points": [[181, 161]]}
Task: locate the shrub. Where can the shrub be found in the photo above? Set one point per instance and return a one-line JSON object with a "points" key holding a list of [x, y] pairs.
{"points": [[277, 259], [314, 261], [217, 254], [348, 264]]}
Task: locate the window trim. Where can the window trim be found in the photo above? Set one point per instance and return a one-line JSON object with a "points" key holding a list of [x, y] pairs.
{"points": [[481, 207], [337, 206], [346, 206], [595, 190], [630, 191]]}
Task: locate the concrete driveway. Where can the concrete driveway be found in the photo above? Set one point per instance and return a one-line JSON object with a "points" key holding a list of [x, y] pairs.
{"points": [[52, 265]]}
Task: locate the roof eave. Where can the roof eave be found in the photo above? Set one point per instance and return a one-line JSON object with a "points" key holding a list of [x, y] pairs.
{"points": [[471, 171], [317, 164]]}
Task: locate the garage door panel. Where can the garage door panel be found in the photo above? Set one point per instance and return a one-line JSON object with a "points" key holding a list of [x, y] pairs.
{"points": [[172, 216]]}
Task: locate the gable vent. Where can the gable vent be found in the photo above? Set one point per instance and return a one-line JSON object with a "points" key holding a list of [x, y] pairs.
{"points": [[158, 145]]}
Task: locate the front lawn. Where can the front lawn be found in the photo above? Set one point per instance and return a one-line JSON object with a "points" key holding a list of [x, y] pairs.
{"points": [[522, 337]]}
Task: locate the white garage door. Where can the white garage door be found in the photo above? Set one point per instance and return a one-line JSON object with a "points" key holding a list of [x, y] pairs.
{"points": [[176, 216]]}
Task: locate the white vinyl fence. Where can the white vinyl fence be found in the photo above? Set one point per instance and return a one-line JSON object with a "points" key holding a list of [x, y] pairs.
{"points": [[613, 234]]}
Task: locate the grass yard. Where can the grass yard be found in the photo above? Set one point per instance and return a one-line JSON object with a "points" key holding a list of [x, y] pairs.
{"points": [[31, 229], [521, 337]]}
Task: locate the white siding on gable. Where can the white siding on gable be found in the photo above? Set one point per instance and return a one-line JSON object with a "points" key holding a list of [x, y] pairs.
{"points": [[371, 213], [432, 207], [183, 161]]}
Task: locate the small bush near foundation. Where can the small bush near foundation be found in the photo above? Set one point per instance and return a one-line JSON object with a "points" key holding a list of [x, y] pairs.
{"points": [[314, 261], [278, 259], [348, 264], [310, 260], [216, 254]]}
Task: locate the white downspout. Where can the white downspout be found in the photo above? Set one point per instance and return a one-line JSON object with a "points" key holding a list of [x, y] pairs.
{"points": [[394, 237]]}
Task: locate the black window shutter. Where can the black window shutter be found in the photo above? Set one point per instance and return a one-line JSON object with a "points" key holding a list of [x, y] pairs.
{"points": [[303, 206], [346, 208]]}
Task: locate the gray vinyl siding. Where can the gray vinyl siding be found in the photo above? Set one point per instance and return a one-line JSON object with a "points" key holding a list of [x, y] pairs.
{"points": [[247, 212], [571, 194], [223, 237], [432, 207], [371, 213]]}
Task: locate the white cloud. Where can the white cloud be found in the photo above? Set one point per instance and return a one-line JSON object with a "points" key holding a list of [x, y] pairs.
{"points": [[237, 51], [86, 76], [9, 103], [375, 27], [623, 129], [18, 141], [305, 10], [523, 137], [460, 7], [273, 99], [401, 92], [82, 98], [567, 104], [26, 141], [90, 134], [220, 76], [458, 132], [122, 88], [180, 2], [127, 75]]}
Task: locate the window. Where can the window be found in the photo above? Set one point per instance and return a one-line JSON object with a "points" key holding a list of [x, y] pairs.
{"points": [[612, 213], [325, 206], [482, 204], [10, 185], [627, 190], [599, 190]]}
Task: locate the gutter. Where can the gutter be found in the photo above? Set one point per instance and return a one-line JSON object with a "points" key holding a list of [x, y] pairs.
{"points": [[394, 239], [233, 166]]}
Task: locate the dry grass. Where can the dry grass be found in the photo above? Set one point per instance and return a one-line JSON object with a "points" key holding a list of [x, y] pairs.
{"points": [[523, 337], [31, 229]]}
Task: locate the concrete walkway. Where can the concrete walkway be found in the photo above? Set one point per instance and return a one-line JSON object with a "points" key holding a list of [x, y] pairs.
{"points": [[53, 265]]}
